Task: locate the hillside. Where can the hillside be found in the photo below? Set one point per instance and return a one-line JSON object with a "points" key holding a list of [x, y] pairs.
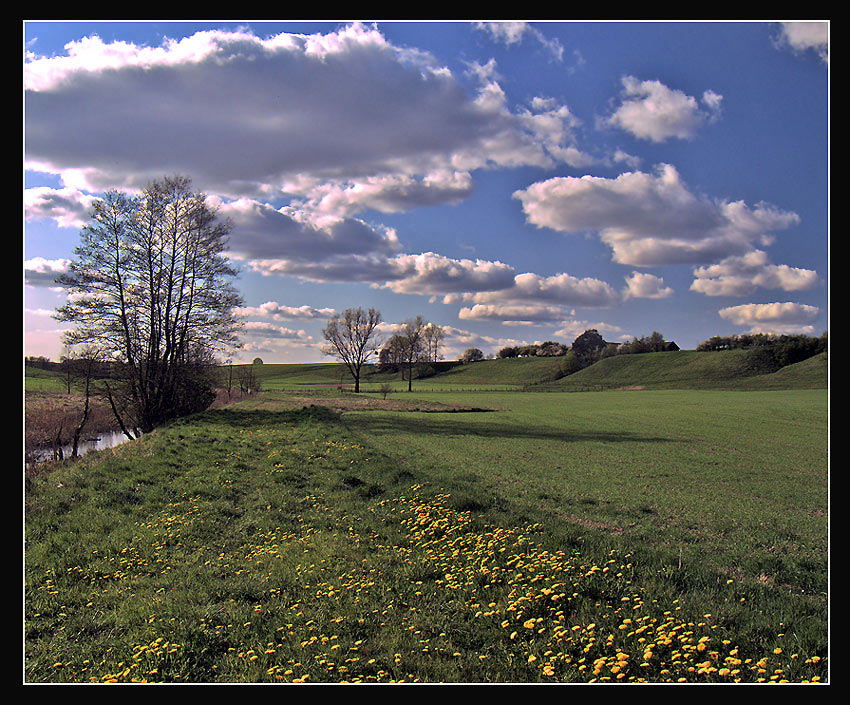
{"points": [[518, 371], [683, 369], [688, 369]]}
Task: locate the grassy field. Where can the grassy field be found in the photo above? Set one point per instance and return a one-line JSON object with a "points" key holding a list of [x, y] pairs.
{"points": [[689, 369], [661, 536], [684, 369]]}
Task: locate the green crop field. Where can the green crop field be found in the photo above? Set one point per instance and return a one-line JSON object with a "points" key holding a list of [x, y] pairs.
{"points": [[667, 535]]}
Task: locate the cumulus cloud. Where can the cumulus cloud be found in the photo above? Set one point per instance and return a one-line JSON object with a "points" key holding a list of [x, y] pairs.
{"points": [[436, 275], [649, 110], [740, 276], [513, 32], [261, 232], [652, 219], [514, 314], [787, 317], [570, 330], [640, 285], [563, 289], [42, 272], [68, 207], [264, 329], [533, 298], [280, 312], [803, 36], [343, 119]]}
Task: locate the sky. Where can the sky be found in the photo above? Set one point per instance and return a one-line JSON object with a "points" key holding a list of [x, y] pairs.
{"points": [[513, 182]]}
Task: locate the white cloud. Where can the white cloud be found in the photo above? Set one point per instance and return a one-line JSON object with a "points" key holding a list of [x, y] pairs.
{"points": [[514, 314], [640, 285], [280, 312], [802, 36], [787, 317], [651, 111], [513, 32], [345, 120], [261, 232], [263, 329], [507, 32], [68, 207], [39, 271], [533, 298], [570, 330], [740, 276], [436, 275], [652, 219]]}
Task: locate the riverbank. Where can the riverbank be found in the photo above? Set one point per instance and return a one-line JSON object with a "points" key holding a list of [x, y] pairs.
{"points": [[51, 420]]}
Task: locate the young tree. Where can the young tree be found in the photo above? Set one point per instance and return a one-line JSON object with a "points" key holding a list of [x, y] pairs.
{"points": [[351, 338], [151, 290]]}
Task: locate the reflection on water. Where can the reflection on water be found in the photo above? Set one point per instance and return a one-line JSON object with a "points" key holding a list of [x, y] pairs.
{"points": [[107, 439]]}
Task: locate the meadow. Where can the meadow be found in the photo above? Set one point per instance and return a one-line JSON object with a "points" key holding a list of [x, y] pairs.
{"points": [[668, 535]]}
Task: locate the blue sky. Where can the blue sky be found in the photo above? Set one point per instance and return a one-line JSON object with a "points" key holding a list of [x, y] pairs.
{"points": [[512, 182]]}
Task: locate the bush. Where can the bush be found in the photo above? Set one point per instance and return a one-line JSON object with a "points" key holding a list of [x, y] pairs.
{"points": [[472, 355]]}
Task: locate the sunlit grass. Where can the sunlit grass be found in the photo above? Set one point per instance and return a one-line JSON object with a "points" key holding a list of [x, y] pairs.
{"points": [[283, 546]]}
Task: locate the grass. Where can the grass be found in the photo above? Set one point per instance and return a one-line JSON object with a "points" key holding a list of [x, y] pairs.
{"points": [[684, 369], [689, 369], [652, 536], [38, 380]]}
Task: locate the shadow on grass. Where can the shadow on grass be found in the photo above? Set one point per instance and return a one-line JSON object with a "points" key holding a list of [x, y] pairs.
{"points": [[252, 418], [449, 424], [456, 426]]}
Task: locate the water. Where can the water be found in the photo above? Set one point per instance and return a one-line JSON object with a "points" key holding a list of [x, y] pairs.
{"points": [[107, 439]]}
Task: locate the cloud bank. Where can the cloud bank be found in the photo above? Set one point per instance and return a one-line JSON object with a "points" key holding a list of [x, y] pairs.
{"points": [[344, 120]]}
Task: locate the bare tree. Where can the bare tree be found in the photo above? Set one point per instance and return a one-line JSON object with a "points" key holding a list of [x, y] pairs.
{"points": [[412, 336], [351, 337], [249, 380], [433, 339], [150, 290]]}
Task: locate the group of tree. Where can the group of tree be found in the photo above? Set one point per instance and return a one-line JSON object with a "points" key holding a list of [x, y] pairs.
{"points": [[783, 349], [549, 348], [39, 361], [150, 293], [352, 337]]}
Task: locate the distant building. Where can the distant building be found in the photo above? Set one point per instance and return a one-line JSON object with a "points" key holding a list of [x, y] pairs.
{"points": [[670, 346]]}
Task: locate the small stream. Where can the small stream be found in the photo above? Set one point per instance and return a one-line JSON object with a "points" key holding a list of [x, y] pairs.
{"points": [[106, 439]]}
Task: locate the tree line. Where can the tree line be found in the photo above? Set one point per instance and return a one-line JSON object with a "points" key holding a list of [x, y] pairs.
{"points": [[778, 350]]}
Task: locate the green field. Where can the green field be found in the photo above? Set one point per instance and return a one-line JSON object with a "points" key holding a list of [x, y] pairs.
{"points": [[728, 370], [661, 535], [684, 369]]}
